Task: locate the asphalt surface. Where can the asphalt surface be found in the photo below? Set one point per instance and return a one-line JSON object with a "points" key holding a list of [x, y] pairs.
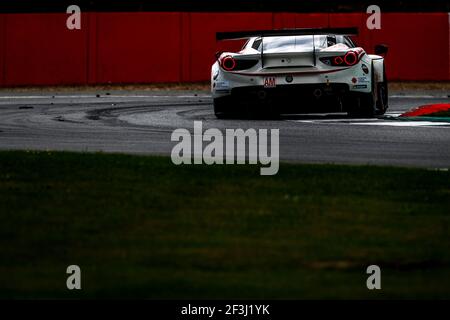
{"points": [[142, 122]]}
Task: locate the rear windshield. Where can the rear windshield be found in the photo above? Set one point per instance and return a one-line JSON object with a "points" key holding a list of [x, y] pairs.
{"points": [[300, 43], [294, 43]]}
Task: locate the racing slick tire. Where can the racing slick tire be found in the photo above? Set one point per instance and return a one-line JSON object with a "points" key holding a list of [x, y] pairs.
{"points": [[382, 96], [222, 108], [218, 109]]}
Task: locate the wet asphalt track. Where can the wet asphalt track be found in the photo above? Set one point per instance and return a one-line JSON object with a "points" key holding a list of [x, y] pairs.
{"points": [[142, 123]]}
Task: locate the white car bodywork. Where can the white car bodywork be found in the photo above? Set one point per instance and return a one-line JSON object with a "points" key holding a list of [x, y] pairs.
{"points": [[297, 61]]}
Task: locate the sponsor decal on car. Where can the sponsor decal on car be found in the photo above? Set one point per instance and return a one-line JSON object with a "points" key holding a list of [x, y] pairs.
{"points": [[222, 85], [363, 80]]}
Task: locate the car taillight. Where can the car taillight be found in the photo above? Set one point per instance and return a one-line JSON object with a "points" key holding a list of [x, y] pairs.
{"points": [[228, 63], [338, 61], [349, 59]]}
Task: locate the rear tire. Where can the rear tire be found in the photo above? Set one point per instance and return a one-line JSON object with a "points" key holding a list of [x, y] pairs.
{"points": [[219, 108], [361, 105], [382, 96], [367, 105]]}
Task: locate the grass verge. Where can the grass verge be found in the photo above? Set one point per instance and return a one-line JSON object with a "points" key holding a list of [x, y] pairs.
{"points": [[140, 227]]}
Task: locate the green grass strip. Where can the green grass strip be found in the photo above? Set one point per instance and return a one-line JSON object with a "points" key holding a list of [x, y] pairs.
{"points": [[140, 227]]}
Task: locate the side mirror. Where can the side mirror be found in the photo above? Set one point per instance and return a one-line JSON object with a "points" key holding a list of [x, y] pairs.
{"points": [[381, 49]]}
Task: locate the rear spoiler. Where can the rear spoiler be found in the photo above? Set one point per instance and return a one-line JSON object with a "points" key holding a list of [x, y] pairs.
{"points": [[284, 32]]}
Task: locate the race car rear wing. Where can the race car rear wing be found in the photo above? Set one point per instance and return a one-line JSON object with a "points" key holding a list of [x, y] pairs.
{"points": [[235, 35]]}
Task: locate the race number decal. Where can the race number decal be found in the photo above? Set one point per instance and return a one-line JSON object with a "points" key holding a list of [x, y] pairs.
{"points": [[269, 82]]}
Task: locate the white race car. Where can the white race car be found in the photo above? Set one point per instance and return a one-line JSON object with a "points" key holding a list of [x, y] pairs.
{"points": [[299, 71]]}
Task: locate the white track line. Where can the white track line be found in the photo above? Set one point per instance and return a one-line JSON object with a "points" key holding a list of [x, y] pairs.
{"points": [[391, 121], [403, 123]]}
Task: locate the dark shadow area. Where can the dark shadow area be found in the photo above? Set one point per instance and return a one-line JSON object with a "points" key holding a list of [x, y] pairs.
{"points": [[303, 116], [337, 6]]}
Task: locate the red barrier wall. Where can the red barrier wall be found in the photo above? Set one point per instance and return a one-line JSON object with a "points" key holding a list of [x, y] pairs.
{"points": [[40, 50], [419, 45], [37, 49], [138, 47], [2, 48]]}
